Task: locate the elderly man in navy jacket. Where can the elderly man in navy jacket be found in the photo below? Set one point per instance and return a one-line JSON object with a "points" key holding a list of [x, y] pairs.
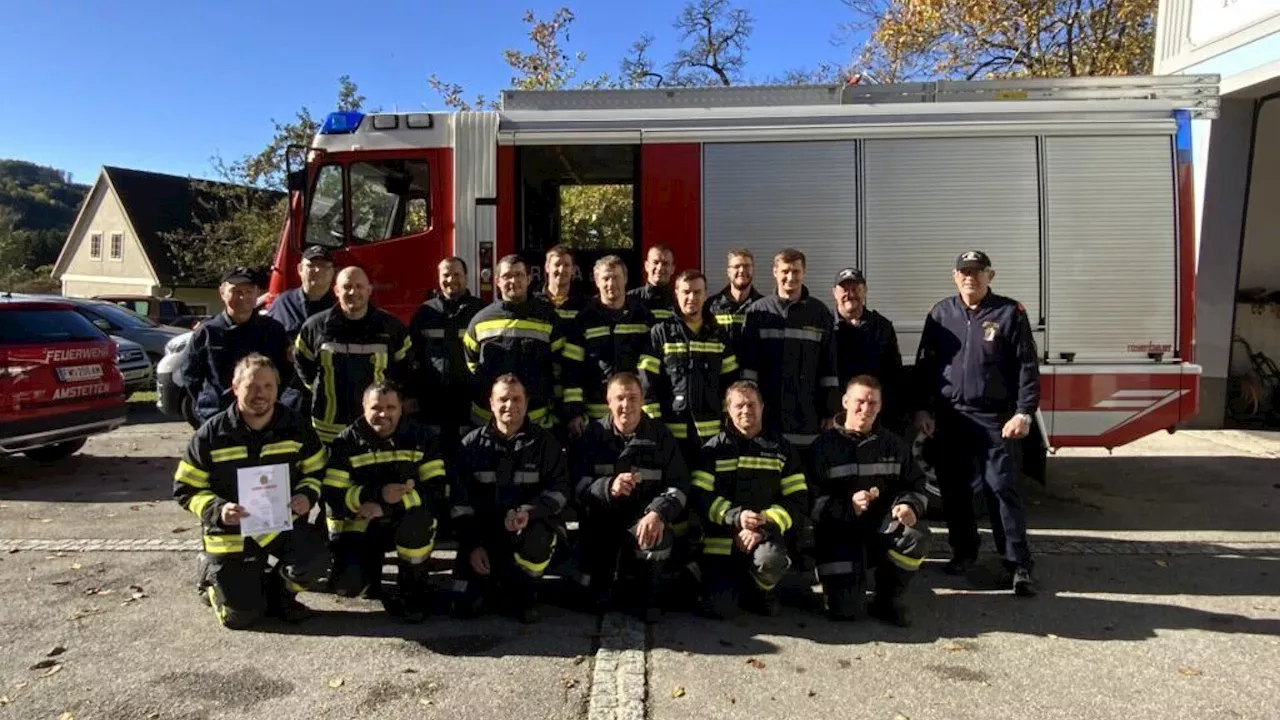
{"points": [[980, 384]]}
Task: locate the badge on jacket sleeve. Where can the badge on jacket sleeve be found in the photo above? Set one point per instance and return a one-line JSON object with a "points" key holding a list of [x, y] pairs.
{"points": [[989, 328]]}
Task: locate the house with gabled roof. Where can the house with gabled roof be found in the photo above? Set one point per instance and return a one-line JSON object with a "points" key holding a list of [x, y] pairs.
{"points": [[117, 244]]}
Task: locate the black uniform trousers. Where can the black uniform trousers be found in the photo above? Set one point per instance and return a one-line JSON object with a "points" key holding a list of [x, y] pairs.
{"points": [[846, 550], [976, 462], [242, 586], [410, 531], [610, 552], [729, 574], [516, 561]]}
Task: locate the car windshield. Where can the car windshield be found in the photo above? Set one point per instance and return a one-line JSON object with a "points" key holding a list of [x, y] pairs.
{"points": [[116, 315]]}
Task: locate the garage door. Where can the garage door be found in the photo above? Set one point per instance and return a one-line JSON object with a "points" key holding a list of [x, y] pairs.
{"points": [[767, 196]]}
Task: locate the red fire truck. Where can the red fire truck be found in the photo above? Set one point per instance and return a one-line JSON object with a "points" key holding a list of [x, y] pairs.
{"points": [[1079, 190]]}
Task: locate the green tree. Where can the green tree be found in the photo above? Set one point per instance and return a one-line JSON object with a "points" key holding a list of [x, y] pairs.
{"points": [[976, 39]]}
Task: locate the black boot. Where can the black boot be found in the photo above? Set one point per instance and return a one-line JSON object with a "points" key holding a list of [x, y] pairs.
{"points": [[282, 603], [416, 593], [891, 585], [650, 579], [844, 596]]}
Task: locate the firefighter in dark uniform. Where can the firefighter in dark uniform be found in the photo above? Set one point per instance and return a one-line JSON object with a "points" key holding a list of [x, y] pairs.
{"points": [[787, 347], [517, 335], [255, 432], [293, 307], [867, 344], [386, 480], [691, 366], [729, 306], [632, 487], [345, 349], [868, 509], [749, 490], [220, 342], [511, 484], [979, 378], [659, 264], [609, 336], [437, 328], [557, 288], [557, 291]]}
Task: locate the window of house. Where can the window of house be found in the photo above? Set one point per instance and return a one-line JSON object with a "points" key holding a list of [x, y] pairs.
{"points": [[95, 246], [117, 246]]}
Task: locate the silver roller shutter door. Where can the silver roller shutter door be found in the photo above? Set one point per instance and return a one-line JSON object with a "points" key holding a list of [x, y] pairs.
{"points": [[1112, 247], [767, 196], [930, 199]]}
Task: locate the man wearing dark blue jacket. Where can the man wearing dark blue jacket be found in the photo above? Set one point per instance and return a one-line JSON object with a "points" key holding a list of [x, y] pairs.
{"points": [[979, 378], [223, 340], [293, 307]]}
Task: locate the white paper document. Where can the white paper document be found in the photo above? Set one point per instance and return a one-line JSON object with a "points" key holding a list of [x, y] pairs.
{"points": [[265, 495]]}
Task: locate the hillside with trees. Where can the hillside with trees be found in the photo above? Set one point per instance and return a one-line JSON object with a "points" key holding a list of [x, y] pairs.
{"points": [[37, 207]]}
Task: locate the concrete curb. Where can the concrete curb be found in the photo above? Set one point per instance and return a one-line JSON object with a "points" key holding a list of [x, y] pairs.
{"points": [[618, 678]]}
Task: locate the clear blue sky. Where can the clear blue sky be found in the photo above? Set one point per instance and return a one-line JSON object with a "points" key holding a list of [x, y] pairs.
{"points": [[163, 85]]}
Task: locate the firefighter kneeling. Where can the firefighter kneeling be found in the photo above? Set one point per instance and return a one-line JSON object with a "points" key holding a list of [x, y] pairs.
{"points": [[632, 486], [750, 490], [511, 485], [385, 481], [256, 432], [868, 510]]}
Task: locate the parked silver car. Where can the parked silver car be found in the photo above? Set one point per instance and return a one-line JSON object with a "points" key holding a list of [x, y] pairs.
{"points": [[134, 365], [171, 392]]}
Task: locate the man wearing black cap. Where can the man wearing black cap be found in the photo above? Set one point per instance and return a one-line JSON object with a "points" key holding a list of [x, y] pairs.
{"points": [[218, 344], [979, 380], [293, 307], [867, 344]]}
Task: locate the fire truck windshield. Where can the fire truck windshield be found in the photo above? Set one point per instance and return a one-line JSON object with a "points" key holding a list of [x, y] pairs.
{"points": [[388, 199]]}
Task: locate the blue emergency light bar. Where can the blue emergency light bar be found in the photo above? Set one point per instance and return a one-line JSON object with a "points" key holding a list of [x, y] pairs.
{"points": [[342, 123]]}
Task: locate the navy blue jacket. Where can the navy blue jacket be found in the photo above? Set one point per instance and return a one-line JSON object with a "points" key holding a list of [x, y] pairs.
{"points": [[871, 348], [982, 360], [218, 345], [292, 309]]}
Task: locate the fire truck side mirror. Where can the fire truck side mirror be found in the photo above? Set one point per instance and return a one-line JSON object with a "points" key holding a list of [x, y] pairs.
{"points": [[297, 180]]}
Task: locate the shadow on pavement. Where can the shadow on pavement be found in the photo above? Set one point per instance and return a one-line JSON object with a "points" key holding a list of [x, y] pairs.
{"points": [[88, 479]]}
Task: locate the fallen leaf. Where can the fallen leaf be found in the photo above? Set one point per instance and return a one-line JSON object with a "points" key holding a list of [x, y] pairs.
{"points": [[1190, 671], [1162, 563], [579, 659], [43, 664], [175, 531], [66, 716], [900, 716], [1051, 636], [408, 671], [426, 701], [46, 520], [954, 646], [812, 693], [60, 582], [14, 551], [76, 566], [51, 671], [336, 683], [56, 651], [4, 700], [757, 664], [153, 716], [678, 692], [569, 683], [844, 664]]}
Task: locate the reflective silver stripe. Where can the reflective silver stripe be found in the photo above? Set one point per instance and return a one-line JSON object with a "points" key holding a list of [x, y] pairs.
{"points": [[557, 498], [820, 504], [604, 469], [828, 382], [835, 568], [678, 494], [437, 333], [800, 438], [458, 586], [653, 554], [461, 511], [880, 468], [354, 348], [524, 477], [840, 471], [648, 474], [791, 334], [488, 478], [487, 333]]}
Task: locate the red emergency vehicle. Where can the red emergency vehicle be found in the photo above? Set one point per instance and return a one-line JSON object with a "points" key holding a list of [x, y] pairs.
{"points": [[1079, 189]]}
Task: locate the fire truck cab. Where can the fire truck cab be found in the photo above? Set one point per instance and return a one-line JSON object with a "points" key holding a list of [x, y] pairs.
{"points": [[1079, 190]]}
